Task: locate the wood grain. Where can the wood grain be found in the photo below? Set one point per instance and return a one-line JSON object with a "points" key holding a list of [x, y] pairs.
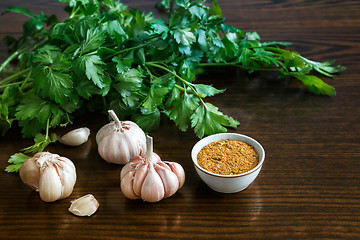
{"points": [[308, 187]]}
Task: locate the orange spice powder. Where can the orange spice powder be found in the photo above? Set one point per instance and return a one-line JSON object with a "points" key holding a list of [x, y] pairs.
{"points": [[228, 157]]}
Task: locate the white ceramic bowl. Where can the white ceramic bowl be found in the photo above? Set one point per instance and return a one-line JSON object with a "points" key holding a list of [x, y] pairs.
{"points": [[228, 183]]}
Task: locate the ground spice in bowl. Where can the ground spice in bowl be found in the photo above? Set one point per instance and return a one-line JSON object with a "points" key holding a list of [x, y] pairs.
{"points": [[228, 157]]}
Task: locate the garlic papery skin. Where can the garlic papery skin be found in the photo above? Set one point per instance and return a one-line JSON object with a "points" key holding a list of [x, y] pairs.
{"points": [[169, 180], [30, 172], [75, 137], [126, 185], [150, 178], [54, 178], [130, 166], [152, 189], [120, 141], [179, 172], [84, 206]]}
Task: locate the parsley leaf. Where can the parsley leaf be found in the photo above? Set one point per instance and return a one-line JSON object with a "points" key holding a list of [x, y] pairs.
{"points": [[94, 39], [41, 141], [53, 84], [147, 119], [182, 110], [184, 36], [5, 122], [155, 97], [105, 54], [128, 84], [315, 84], [91, 65], [207, 90], [207, 119], [34, 108], [15, 162]]}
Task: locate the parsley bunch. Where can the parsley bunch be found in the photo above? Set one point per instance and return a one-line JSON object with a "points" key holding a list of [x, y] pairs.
{"points": [[108, 56]]}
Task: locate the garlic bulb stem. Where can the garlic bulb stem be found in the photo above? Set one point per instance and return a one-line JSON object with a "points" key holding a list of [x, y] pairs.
{"points": [[41, 160], [149, 147], [116, 119]]}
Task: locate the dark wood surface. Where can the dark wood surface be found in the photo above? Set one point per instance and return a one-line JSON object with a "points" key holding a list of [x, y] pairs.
{"points": [[309, 187]]}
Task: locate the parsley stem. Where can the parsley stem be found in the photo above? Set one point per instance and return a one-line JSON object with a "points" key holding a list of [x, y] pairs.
{"points": [[14, 76], [133, 48], [47, 129], [10, 84], [177, 76], [180, 87], [8, 60], [73, 13], [239, 66], [25, 81], [11, 57], [274, 49]]}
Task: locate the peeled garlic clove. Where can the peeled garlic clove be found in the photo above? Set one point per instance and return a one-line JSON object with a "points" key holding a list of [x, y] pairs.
{"points": [[153, 188], [179, 171], [75, 137], [85, 206], [169, 180], [126, 185]]}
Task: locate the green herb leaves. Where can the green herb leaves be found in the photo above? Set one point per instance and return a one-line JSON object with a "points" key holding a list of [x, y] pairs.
{"points": [[105, 55], [208, 119], [16, 161]]}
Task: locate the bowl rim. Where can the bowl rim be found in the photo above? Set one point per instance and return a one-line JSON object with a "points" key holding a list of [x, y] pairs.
{"points": [[225, 136]]}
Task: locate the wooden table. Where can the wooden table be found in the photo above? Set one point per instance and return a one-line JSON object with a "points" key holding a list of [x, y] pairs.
{"points": [[309, 187]]}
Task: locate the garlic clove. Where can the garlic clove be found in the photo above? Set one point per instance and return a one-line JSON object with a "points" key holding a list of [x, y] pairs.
{"points": [[169, 180], [84, 206], [108, 148], [139, 177], [152, 189], [50, 186], [163, 164], [155, 158], [117, 150], [126, 185], [104, 131], [130, 165], [68, 176], [30, 173], [179, 171], [75, 137]]}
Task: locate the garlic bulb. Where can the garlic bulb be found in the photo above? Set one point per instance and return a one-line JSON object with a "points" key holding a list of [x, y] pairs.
{"points": [[51, 175], [119, 141], [84, 206], [150, 178], [75, 137]]}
